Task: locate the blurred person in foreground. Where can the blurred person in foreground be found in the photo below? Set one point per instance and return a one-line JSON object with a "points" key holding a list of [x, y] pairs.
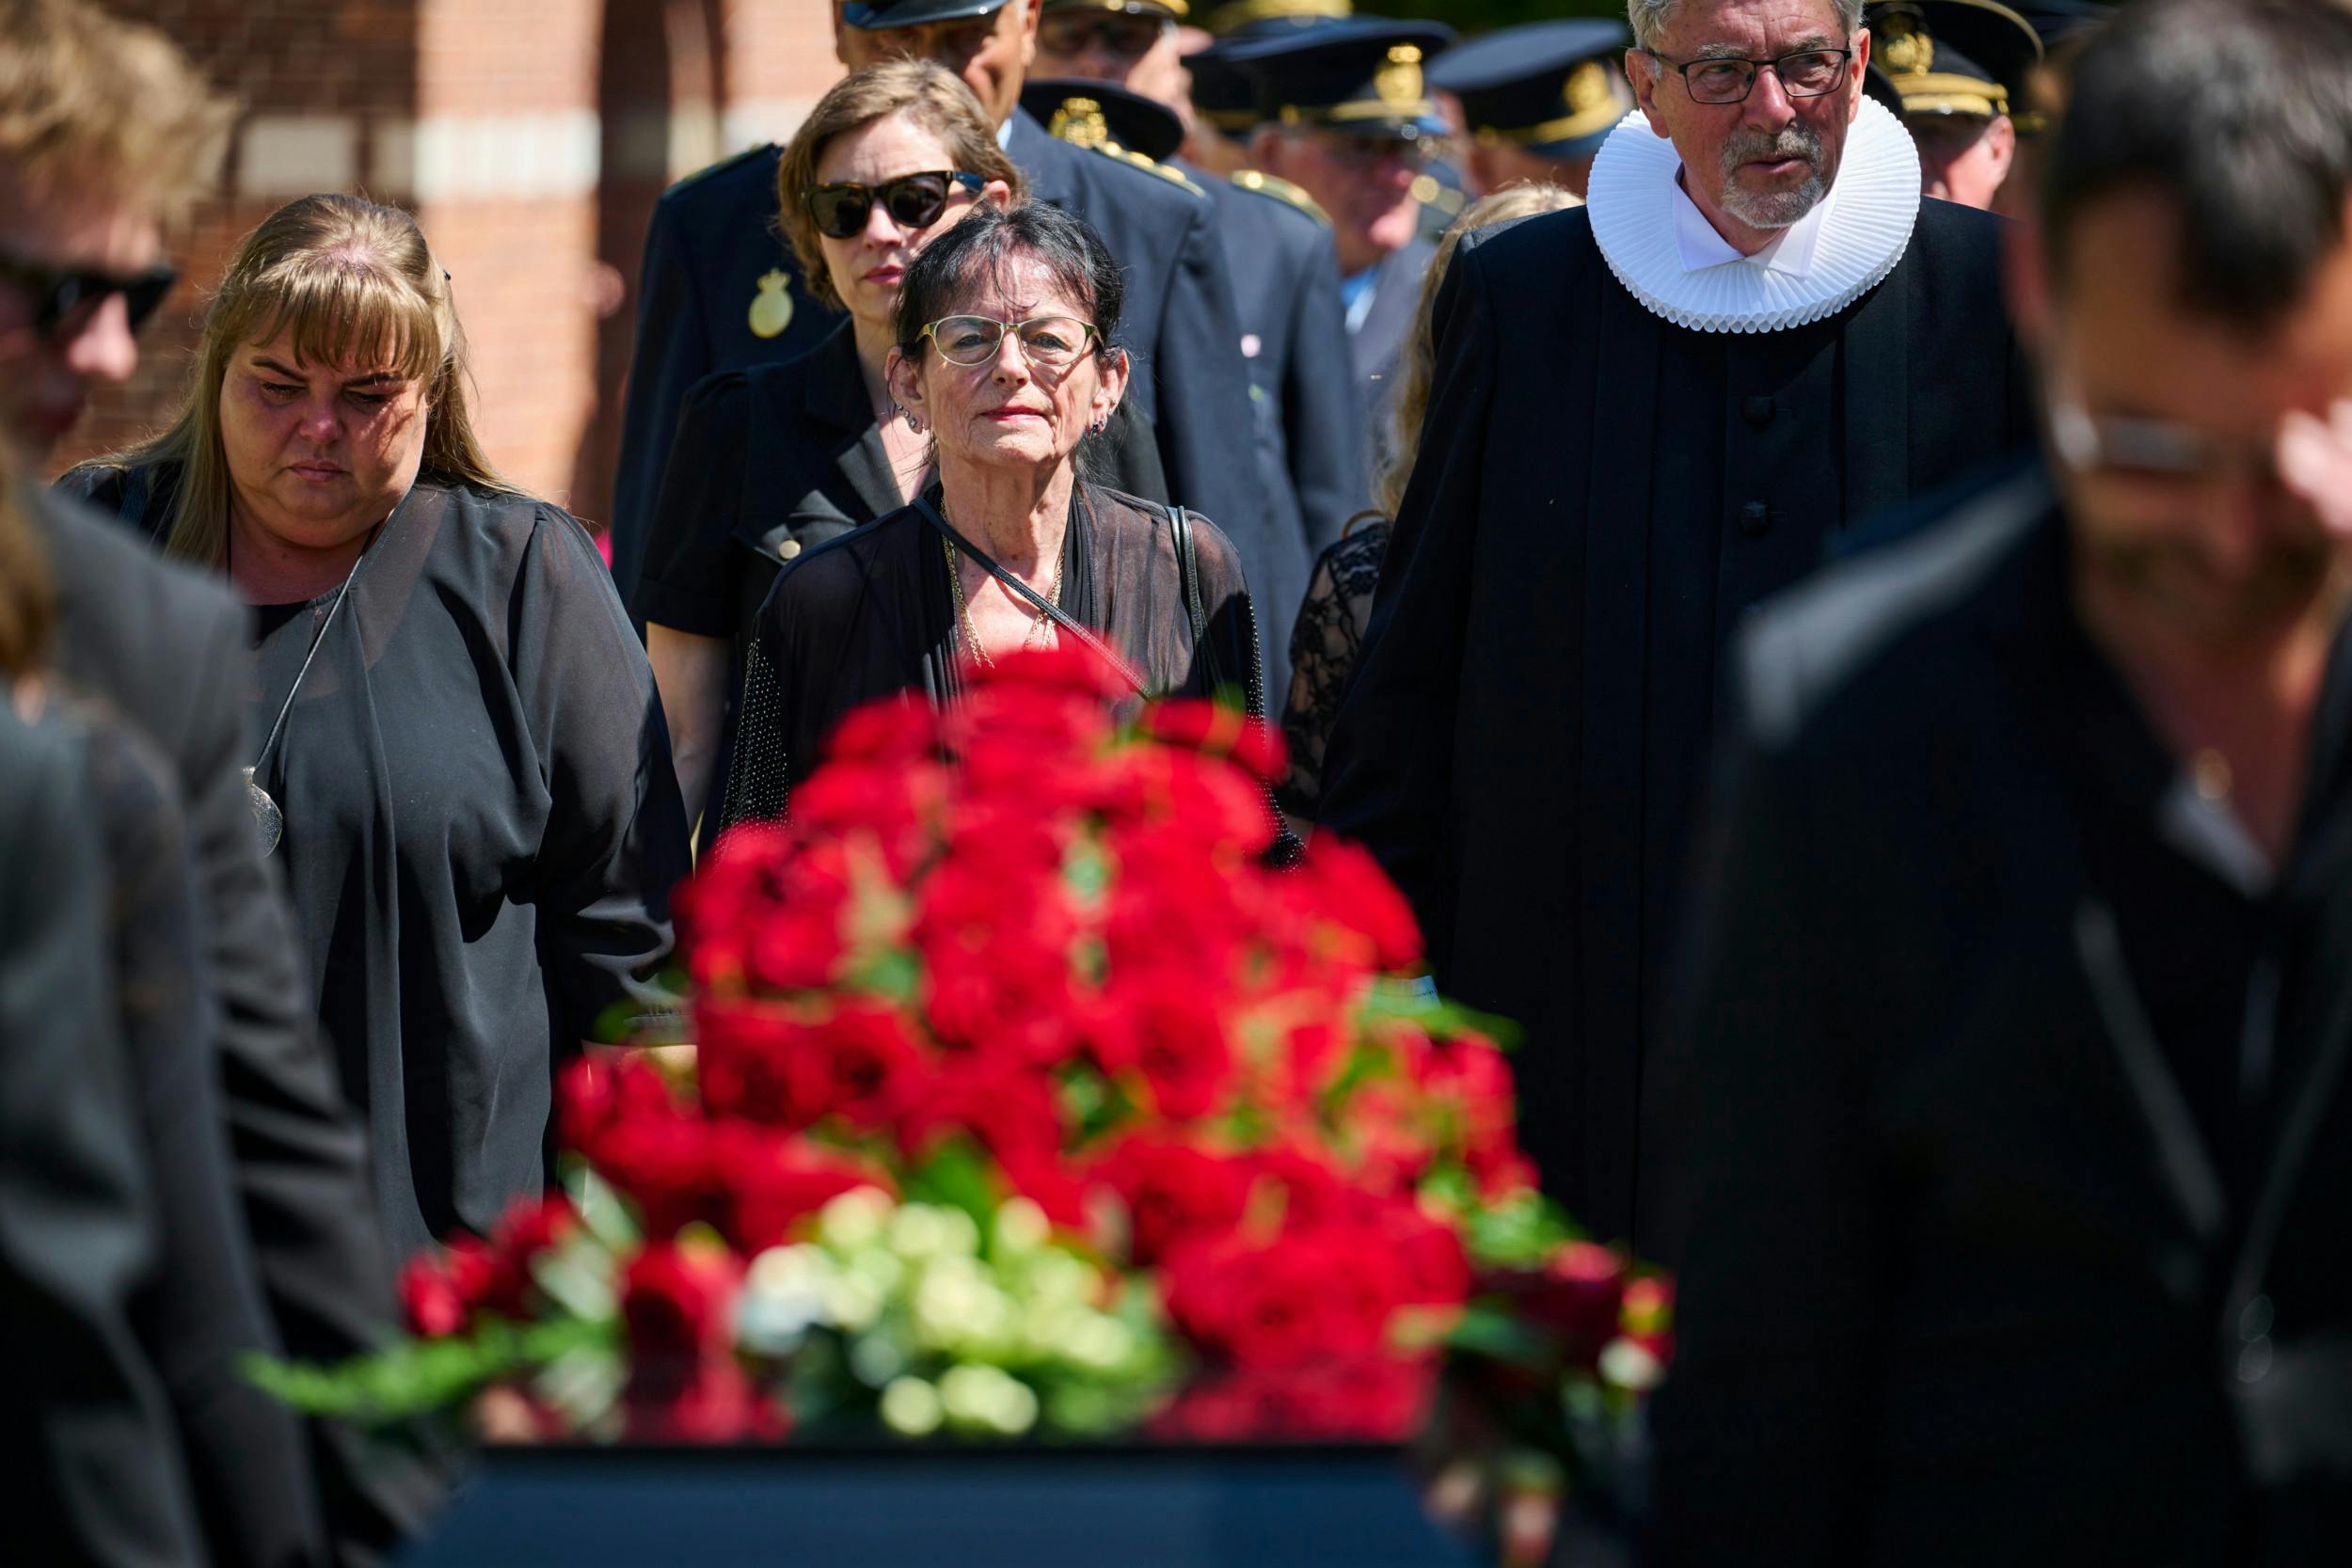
{"points": [[1648, 413], [1008, 357], [1330, 631], [461, 764], [2022, 1009], [97, 1462], [104, 134]]}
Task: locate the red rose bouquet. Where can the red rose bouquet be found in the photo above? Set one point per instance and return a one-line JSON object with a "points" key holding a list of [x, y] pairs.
{"points": [[1026, 1097]]}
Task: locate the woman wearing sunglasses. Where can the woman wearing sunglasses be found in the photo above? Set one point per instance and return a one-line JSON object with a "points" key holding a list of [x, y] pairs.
{"points": [[1007, 363], [777, 458]]}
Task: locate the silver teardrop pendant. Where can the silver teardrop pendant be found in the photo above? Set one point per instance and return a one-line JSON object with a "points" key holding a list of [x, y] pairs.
{"points": [[269, 823]]}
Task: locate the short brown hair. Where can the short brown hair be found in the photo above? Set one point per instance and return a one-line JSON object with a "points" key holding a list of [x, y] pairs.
{"points": [[932, 96], [348, 278], [92, 104]]}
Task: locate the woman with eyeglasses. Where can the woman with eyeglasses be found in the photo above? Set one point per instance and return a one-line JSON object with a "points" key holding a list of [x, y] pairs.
{"points": [[1006, 362], [772, 460]]}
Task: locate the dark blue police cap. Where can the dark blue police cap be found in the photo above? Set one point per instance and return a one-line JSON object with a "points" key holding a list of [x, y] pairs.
{"points": [[1223, 93], [2058, 21], [1240, 19], [872, 16], [1091, 113], [1555, 88], [1175, 8], [1363, 76], [1954, 56]]}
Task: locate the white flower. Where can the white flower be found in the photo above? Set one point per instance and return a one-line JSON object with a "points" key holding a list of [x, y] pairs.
{"points": [[911, 1407], [852, 1302], [988, 1397], [1626, 1365], [854, 1219], [921, 1230], [1022, 1226], [784, 1297]]}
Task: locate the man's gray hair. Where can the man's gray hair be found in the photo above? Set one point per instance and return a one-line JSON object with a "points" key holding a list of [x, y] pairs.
{"points": [[1649, 18]]}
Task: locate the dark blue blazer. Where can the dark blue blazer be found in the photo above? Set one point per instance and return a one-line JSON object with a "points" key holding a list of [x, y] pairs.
{"points": [[1309, 412], [712, 241]]}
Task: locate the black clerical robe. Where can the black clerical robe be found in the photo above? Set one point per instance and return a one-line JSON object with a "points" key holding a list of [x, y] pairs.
{"points": [[1600, 496]]}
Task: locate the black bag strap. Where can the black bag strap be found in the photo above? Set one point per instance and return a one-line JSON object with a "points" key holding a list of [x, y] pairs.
{"points": [[1188, 572], [1061, 618]]}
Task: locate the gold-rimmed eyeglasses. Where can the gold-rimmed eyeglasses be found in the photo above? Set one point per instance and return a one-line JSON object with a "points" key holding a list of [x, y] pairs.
{"points": [[1050, 341]]}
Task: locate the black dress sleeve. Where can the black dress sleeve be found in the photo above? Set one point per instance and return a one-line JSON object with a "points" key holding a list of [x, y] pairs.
{"points": [[687, 581], [615, 842]]}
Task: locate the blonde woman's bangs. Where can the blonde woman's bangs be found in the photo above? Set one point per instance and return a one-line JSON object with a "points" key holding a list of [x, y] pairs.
{"points": [[340, 315]]}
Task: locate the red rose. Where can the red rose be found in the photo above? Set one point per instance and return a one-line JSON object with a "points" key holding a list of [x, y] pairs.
{"points": [[1195, 800], [1048, 1181], [1162, 1032], [714, 1402], [1346, 886], [1469, 1081], [768, 1184], [1217, 731], [604, 1090], [995, 931], [791, 1068], [1009, 1108], [899, 731], [1174, 1190], [1375, 1399], [430, 1297], [677, 1303], [1577, 1299], [1429, 1256], [1331, 1291]]}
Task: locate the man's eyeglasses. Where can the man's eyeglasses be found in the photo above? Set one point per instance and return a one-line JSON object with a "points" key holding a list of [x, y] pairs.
{"points": [[912, 202], [67, 297], [1050, 343], [1120, 36], [1807, 73]]}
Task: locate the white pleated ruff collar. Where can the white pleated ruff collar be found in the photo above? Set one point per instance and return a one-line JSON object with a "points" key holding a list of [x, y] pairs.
{"points": [[1864, 234]]}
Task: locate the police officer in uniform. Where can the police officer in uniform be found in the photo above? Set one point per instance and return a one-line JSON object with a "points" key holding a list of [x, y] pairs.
{"points": [[718, 291], [1310, 421], [1278, 248], [1957, 65], [1249, 19], [1347, 115], [1537, 101]]}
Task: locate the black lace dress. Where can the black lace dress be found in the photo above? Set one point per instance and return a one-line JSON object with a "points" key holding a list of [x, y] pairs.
{"points": [[1324, 644]]}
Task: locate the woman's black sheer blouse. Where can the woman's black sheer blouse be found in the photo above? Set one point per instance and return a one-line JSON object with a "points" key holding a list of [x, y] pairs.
{"points": [[482, 829], [870, 615]]}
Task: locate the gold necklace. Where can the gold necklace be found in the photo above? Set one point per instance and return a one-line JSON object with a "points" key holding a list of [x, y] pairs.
{"points": [[1041, 630]]}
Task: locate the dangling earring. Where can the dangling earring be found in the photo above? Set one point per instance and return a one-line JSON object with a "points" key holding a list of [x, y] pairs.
{"points": [[1099, 425]]}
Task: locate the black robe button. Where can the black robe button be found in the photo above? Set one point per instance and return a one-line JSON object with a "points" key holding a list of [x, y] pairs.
{"points": [[1759, 410], [1756, 519]]}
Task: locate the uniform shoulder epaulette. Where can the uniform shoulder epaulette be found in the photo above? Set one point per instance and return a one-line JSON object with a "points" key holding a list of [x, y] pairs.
{"points": [[1281, 190], [1119, 154], [765, 150]]}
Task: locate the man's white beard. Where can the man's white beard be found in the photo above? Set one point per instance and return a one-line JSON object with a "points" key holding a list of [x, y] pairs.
{"points": [[1776, 209]]}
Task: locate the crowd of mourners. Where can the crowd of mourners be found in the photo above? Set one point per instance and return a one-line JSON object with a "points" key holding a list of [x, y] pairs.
{"points": [[1812, 540]]}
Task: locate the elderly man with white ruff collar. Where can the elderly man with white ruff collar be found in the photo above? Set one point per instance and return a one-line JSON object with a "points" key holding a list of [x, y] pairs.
{"points": [[1648, 413]]}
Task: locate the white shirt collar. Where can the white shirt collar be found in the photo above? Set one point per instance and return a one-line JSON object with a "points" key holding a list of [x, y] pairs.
{"points": [[1666, 254], [1791, 252]]}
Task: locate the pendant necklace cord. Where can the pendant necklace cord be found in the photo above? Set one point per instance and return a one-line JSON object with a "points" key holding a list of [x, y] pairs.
{"points": [[317, 642]]}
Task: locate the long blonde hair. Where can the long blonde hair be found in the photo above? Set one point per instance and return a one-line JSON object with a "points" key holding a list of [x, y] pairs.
{"points": [[349, 279], [1520, 200]]}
